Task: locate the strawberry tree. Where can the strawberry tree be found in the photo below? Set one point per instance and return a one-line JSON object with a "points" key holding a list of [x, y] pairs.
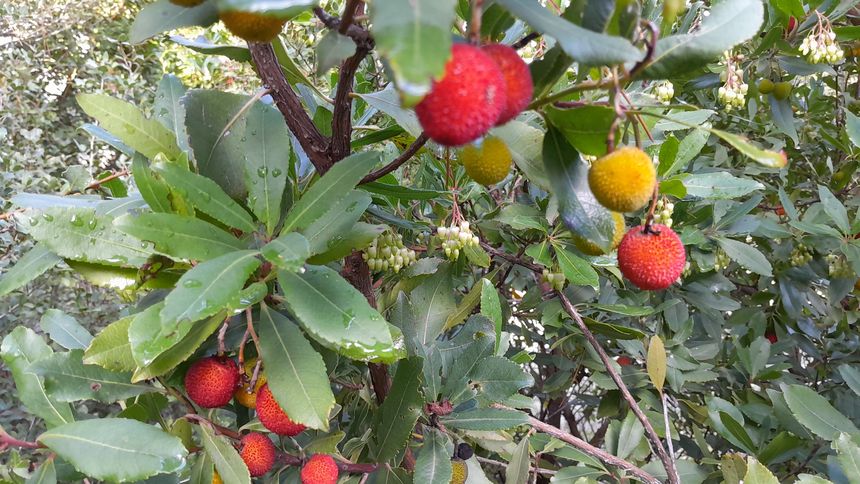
{"points": [[481, 241]]}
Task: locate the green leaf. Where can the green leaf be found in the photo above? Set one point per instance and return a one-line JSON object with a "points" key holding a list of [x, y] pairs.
{"points": [[814, 412], [746, 255], [332, 49], [162, 16], [433, 463], [414, 36], [20, 349], [783, 117], [111, 349], [730, 22], [852, 127], [517, 471], [467, 305], [584, 46], [326, 230], [296, 373], [656, 362], [116, 449], [576, 270], [719, 185], [205, 195], [834, 209], [848, 456], [579, 210], [400, 192], [209, 287], [488, 419], [491, 307], [266, 162], [45, 474], [128, 123], [499, 378], [181, 351], [477, 255], [432, 302], [152, 189], [148, 339], [228, 462], [338, 316], [30, 266], [65, 330], [630, 435], [288, 252], [614, 330], [169, 111], [851, 376], [80, 234], [585, 127], [388, 101], [282, 9], [67, 379], [758, 474], [688, 148], [178, 236], [329, 190], [394, 422], [360, 236], [525, 143], [738, 432], [522, 217]]}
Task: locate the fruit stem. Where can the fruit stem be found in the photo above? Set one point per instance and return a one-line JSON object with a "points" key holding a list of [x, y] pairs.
{"points": [[222, 333], [475, 23], [650, 218]]}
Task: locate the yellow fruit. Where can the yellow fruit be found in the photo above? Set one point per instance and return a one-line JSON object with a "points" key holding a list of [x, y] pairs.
{"points": [[590, 248], [623, 181], [765, 86], [252, 27], [460, 471], [488, 162], [241, 394], [216, 479], [781, 90]]}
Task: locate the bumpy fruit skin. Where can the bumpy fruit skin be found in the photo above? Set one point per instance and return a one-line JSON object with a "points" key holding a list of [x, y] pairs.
{"points": [[467, 101], [623, 181], [187, 3], [651, 260], [781, 90], [487, 163], [765, 86], [320, 469], [249, 400], [590, 248], [273, 417], [258, 452], [518, 80], [216, 478], [210, 382], [252, 27], [771, 336], [459, 471]]}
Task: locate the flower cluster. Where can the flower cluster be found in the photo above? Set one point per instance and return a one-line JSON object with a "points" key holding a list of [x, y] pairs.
{"points": [[455, 238], [663, 212], [820, 46], [664, 91], [800, 255], [721, 260], [838, 267], [733, 92], [388, 252], [554, 279]]}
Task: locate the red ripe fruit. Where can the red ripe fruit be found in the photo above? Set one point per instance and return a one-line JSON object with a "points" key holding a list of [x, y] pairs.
{"points": [[651, 260], [273, 417], [624, 361], [771, 336], [320, 469], [518, 80], [792, 24], [467, 101], [258, 452], [211, 381]]}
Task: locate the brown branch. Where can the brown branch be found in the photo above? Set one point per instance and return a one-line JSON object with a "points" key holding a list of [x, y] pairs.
{"points": [[525, 40], [7, 440], [589, 449], [407, 154], [653, 438], [341, 123], [348, 16], [106, 179], [201, 420], [358, 34], [504, 465], [312, 141]]}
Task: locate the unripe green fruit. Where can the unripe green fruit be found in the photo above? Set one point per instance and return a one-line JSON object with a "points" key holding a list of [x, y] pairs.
{"points": [[765, 86], [781, 90]]}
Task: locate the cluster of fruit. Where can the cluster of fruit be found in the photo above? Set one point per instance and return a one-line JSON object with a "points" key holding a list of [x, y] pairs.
{"points": [[213, 381], [665, 91], [733, 92], [455, 238], [554, 279], [663, 212], [721, 260], [482, 87], [253, 27], [800, 255], [838, 266], [781, 90], [388, 252], [820, 46]]}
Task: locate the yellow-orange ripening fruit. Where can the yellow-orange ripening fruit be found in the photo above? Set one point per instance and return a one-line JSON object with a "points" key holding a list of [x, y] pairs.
{"points": [[258, 452], [242, 395], [216, 478], [187, 3], [623, 181], [273, 417], [210, 382], [652, 260], [518, 80], [857, 285], [252, 27], [459, 471], [320, 469], [487, 163], [467, 101], [590, 248]]}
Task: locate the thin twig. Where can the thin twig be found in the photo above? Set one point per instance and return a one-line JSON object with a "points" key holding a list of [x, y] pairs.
{"points": [[407, 154], [525, 40], [7, 440], [106, 179], [475, 23]]}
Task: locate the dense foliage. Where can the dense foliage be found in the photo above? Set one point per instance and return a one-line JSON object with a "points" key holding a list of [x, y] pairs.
{"points": [[301, 266]]}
